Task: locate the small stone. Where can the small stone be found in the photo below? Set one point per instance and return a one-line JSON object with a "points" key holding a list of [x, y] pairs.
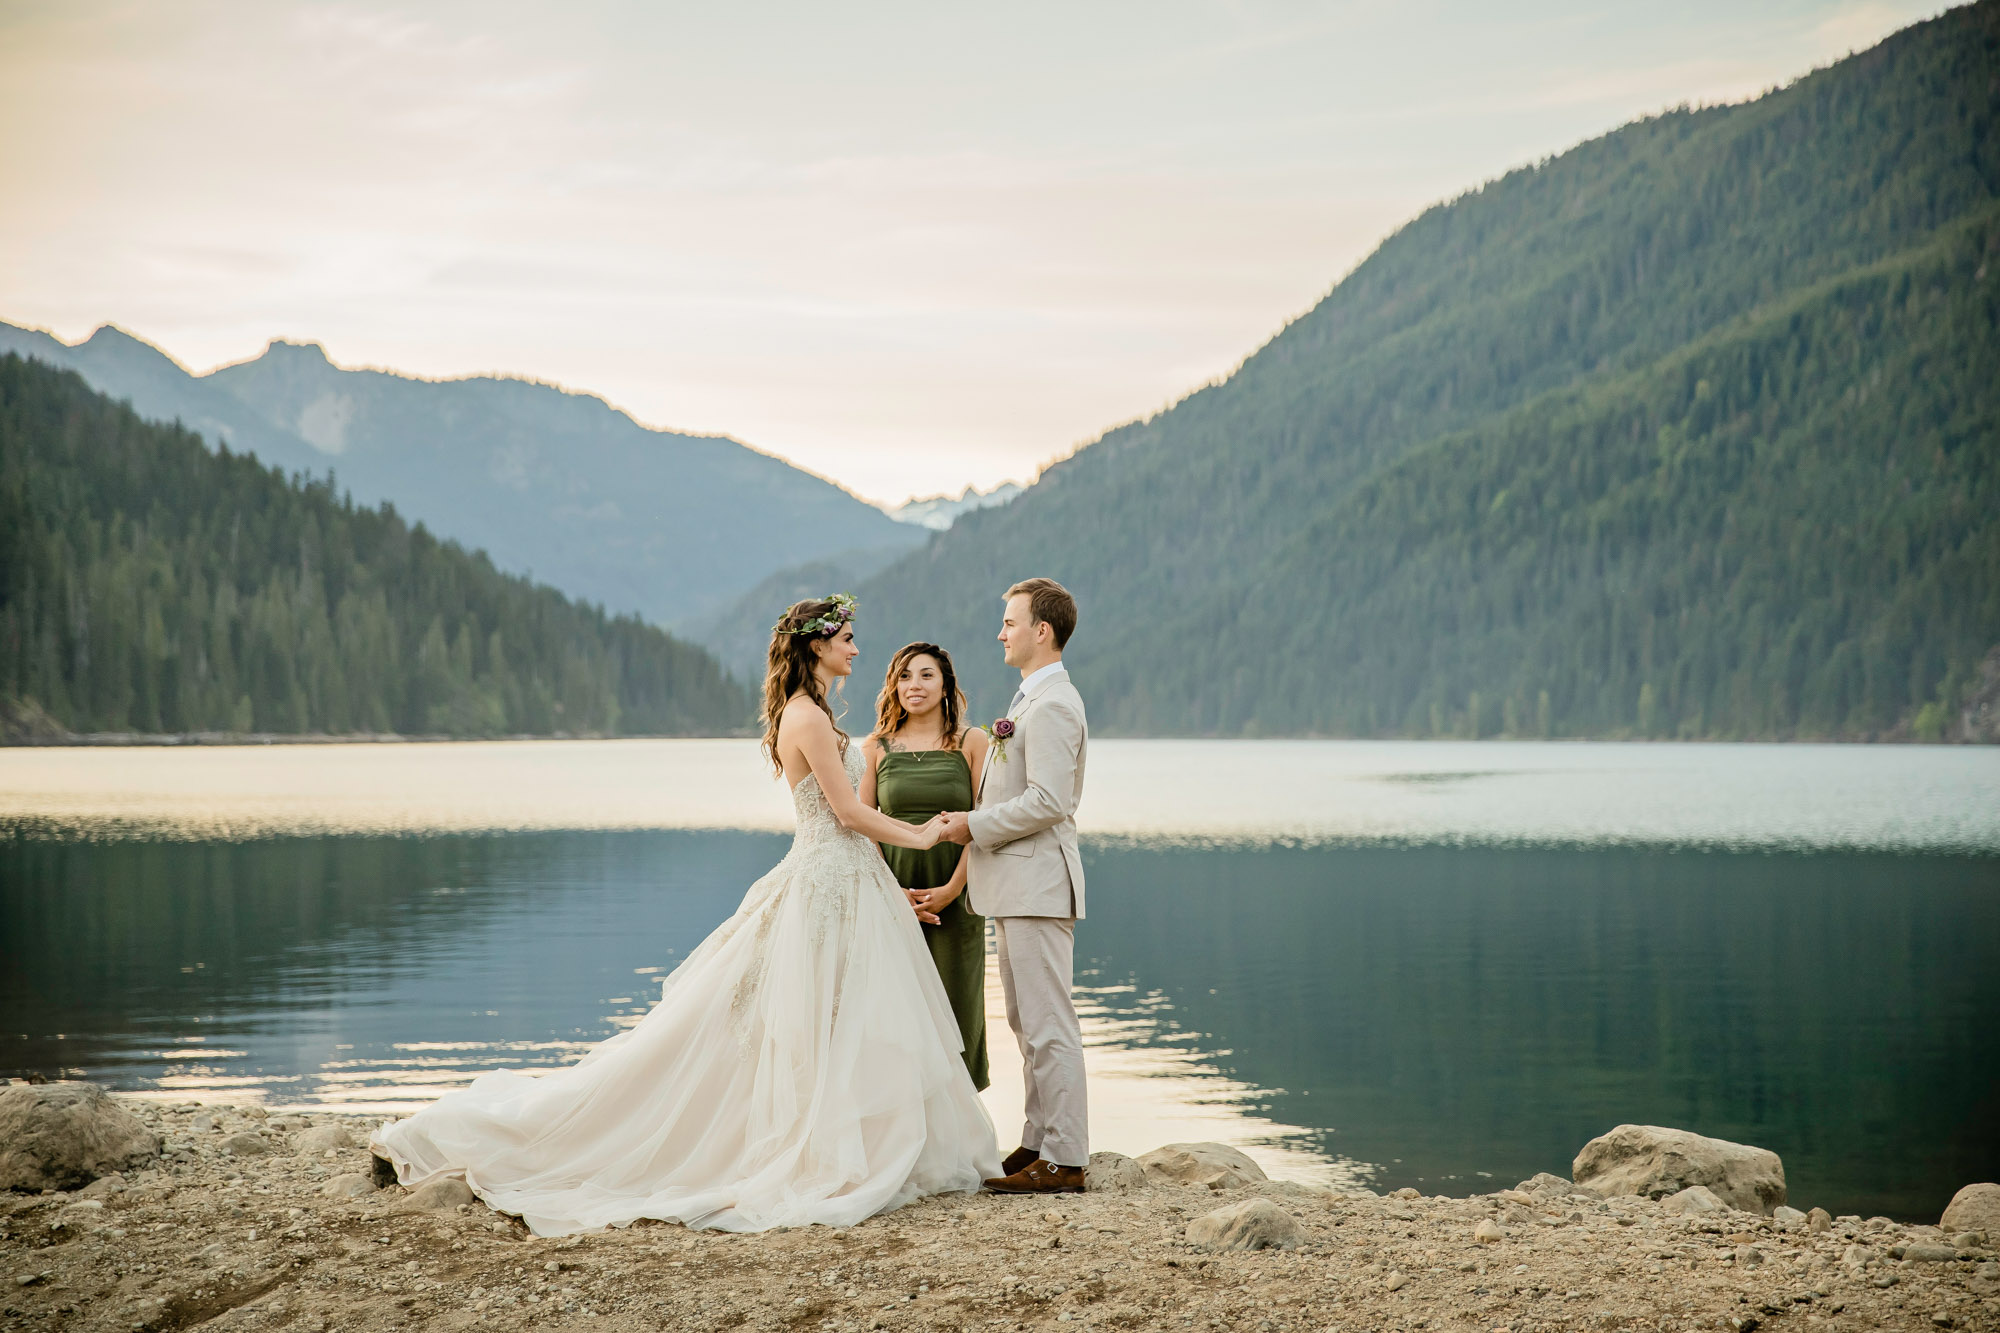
{"points": [[202, 1124], [1941, 1319], [1819, 1220], [1988, 1272], [323, 1138], [1695, 1199], [27, 1279], [1786, 1215], [1053, 1217], [255, 1112], [1113, 1172], [245, 1145], [1748, 1256], [1394, 1282], [1489, 1232], [1407, 1192], [1929, 1254], [103, 1186], [1964, 1240], [1254, 1224], [446, 1192], [1546, 1185], [351, 1186]]}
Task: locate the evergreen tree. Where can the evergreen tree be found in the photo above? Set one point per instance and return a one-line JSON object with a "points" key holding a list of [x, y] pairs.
{"points": [[149, 585]]}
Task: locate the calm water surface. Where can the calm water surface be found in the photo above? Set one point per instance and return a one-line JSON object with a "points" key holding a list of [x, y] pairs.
{"points": [[1434, 964]]}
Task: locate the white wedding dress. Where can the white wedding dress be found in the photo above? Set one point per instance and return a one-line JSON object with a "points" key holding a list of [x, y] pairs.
{"points": [[801, 1066]]}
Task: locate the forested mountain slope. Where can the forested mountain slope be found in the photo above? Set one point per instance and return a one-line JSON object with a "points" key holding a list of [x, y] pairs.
{"points": [[1691, 430], [147, 584], [551, 483]]}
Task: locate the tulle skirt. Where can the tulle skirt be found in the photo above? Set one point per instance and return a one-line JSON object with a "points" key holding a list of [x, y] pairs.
{"points": [[801, 1066]]}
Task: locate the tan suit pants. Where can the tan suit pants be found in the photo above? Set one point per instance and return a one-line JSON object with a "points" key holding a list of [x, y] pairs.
{"points": [[1035, 956]]}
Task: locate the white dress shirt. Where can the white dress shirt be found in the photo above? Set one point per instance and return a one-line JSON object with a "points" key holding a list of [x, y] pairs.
{"points": [[1033, 682]]}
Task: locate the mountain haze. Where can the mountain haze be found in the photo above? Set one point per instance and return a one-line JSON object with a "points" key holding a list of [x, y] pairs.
{"points": [[1692, 430], [546, 481]]}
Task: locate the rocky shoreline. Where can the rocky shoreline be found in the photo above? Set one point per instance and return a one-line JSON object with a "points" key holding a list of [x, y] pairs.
{"points": [[229, 1218]]}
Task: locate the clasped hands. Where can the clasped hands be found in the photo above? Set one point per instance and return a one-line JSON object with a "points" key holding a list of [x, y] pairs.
{"points": [[951, 826]]}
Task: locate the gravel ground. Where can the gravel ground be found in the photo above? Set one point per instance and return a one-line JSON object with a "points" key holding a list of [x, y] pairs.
{"points": [[236, 1229]]}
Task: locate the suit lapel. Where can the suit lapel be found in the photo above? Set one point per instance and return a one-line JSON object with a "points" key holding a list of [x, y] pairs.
{"points": [[1017, 715]]}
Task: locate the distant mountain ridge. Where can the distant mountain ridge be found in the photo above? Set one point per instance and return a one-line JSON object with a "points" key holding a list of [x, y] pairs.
{"points": [[1692, 430], [545, 480]]}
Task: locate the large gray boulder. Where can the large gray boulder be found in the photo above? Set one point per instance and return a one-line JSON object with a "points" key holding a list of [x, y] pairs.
{"points": [[62, 1135], [1215, 1165], [1653, 1163], [1974, 1208], [1254, 1224]]}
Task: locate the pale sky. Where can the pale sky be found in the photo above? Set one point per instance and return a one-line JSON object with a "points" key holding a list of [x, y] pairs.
{"points": [[909, 247]]}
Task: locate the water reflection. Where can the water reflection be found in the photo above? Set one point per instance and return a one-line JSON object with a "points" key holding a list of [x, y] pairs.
{"points": [[1436, 1016], [1480, 1014]]}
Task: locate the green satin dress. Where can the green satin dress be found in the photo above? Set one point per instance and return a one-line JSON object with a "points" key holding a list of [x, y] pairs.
{"points": [[913, 785]]}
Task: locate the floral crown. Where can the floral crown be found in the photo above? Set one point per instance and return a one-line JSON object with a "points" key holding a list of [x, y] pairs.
{"points": [[824, 626]]}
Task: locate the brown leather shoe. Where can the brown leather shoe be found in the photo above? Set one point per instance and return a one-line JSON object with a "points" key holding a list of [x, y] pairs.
{"points": [[1039, 1177], [1020, 1157]]}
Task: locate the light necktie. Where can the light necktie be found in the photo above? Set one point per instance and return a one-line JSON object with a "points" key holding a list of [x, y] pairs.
{"points": [[1015, 707]]}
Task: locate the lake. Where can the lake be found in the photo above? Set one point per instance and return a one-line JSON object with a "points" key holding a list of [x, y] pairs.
{"points": [[1439, 964]]}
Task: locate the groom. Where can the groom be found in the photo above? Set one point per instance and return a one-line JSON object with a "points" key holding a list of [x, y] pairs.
{"points": [[1024, 873]]}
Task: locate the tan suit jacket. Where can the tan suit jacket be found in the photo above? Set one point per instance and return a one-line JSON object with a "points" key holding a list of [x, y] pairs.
{"points": [[1023, 854]]}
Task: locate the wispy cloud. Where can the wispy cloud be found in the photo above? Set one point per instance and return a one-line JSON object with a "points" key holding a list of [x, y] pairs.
{"points": [[908, 245]]}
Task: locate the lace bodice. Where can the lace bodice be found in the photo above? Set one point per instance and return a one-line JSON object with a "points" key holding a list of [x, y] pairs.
{"points": [[816, 820], [822, 879]]}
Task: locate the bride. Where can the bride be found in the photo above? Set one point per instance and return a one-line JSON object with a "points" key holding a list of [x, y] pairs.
{"points": [[802, 1065]]}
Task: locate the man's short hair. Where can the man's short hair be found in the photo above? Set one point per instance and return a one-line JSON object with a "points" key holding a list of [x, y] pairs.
{"points": [[1049, 602]]}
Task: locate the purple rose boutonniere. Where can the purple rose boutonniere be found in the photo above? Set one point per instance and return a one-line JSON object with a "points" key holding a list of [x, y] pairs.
{"points": [[1001, 731]]}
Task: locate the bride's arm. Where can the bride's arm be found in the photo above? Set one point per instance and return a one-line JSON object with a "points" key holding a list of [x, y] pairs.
{"points": [[807, 726]]}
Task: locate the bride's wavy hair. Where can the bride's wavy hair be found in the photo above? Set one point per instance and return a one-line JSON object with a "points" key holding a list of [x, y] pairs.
{"points": [[890, 715], [788, 666]]}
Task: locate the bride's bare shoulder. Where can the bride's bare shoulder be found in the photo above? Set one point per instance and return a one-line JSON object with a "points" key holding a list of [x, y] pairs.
{"points": [[801, 712]]}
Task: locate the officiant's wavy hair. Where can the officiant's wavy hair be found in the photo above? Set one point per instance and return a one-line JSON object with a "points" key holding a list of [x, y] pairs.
{"points": [[890, 715], [788, 670]]}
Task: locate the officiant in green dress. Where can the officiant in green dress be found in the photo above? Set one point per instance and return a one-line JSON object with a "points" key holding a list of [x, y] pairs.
{"points": [[921, 760]]}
